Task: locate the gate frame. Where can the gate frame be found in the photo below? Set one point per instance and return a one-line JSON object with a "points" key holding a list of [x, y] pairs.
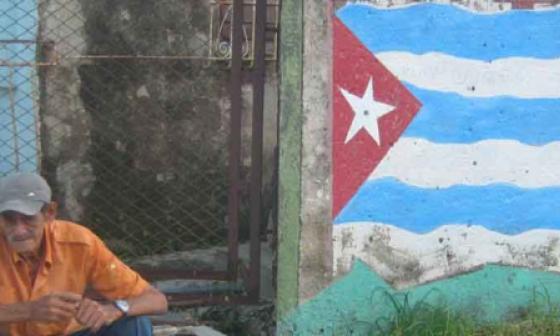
{"points": [[250, 275]]}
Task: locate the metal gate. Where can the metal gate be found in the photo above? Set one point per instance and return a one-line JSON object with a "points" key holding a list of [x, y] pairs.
{"points": [[133, 111]]}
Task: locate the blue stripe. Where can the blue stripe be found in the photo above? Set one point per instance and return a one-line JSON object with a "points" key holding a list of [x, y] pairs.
{"points": [[448, 29], [498, 207], [452, 118]]}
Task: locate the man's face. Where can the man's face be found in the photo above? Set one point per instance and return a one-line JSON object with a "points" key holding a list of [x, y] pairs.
{"points": [[24, 233]]}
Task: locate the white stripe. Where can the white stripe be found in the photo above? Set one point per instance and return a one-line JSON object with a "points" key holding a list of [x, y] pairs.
{"points": [[515, 76], [406, 259], [482, 7], [425, 164]]}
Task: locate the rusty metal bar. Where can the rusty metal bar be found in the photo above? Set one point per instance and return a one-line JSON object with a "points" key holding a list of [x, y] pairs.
{"points": [[257, 149], [145, 57], [276, 31], [163, 274], [15, 41], [247, 3], [235, 139], [4, 63], [12, 102], [193, 300]]}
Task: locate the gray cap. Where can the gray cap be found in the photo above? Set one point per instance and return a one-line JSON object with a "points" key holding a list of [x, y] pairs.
{"points": [[25, 193]]}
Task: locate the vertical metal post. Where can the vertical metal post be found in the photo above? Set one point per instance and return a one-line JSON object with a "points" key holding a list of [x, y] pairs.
{"points": [[235, 138], [213, 5], [257, 148], [13, 113]]}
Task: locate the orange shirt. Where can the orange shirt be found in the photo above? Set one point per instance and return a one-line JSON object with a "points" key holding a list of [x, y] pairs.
{"points": [[74, 259]]}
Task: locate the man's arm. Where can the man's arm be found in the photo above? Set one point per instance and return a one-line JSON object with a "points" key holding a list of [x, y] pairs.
{"points": [[94, 315], [51, 308], [112, 279], [149, 302], [16, 312]]}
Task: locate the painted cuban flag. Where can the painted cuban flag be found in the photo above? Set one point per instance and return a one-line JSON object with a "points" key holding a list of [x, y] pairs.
{"points": [[446, 140]]}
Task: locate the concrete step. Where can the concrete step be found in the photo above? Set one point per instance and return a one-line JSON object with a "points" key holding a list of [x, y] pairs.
{"points": [[185, 331]]}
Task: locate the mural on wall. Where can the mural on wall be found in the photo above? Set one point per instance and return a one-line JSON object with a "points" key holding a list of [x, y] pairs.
{"points": [[446, 140]]}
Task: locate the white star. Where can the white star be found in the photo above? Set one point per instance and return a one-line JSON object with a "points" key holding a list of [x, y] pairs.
{"points": [[367, 111]]}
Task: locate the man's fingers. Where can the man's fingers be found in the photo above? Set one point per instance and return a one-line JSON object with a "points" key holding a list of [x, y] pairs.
{"points": [[84, 315], [56, 314], [81, 309], [87, 314], [90, 314], [68, 296], [98, 323], [55, 307], [85, 309], [69, 307]]}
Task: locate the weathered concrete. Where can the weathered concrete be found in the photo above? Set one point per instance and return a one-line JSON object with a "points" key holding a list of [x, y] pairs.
{"points": [[316, 237], [255, 319], [306, 88], [186, 331], [134, 141], [66, 125], [405, 259], [215, 259], [289, 187]]}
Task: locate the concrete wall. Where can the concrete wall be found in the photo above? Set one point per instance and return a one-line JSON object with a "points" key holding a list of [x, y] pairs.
{"points": [[443, 143], [65, 123], [138, 149], [315, 259], [304, 258]]}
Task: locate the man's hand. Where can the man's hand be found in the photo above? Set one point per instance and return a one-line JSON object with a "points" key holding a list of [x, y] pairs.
{"points": [[56, 307], [94, 315]]}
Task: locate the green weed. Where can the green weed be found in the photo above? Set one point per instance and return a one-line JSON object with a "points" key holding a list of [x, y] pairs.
{"points": [[424, 318]]}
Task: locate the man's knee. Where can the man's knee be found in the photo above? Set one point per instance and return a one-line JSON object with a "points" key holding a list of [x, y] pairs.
{"points": [[128, 326], [133, 326]]}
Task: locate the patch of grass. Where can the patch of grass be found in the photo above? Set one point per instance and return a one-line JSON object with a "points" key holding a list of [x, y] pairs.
{"points": [[541, 318], [422, 318]]}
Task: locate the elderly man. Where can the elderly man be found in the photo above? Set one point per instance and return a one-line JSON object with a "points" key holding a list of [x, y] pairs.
{"points": [[46, 266]]}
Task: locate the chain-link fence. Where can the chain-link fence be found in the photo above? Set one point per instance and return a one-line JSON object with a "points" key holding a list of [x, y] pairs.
{"points": [[18, 87], [124, 106]]}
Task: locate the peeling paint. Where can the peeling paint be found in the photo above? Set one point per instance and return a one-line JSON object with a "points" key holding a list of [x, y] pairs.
{"points": [[406, 259]]}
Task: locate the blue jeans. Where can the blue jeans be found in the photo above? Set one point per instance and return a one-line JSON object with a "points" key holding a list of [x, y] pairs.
{"points": [[128, 326]]}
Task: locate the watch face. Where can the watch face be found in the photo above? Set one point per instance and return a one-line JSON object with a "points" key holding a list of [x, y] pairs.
{"points": [[122, 305]]}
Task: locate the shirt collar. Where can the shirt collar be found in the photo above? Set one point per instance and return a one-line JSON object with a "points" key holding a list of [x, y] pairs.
{"points": [[49, 243], [15, 256]]}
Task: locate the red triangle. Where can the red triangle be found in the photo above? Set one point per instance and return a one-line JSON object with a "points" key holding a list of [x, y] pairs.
{"points": [[353, 67]]}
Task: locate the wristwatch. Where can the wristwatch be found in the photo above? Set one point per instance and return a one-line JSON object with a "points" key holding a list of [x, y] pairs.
{"points": [[122, 305]]}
